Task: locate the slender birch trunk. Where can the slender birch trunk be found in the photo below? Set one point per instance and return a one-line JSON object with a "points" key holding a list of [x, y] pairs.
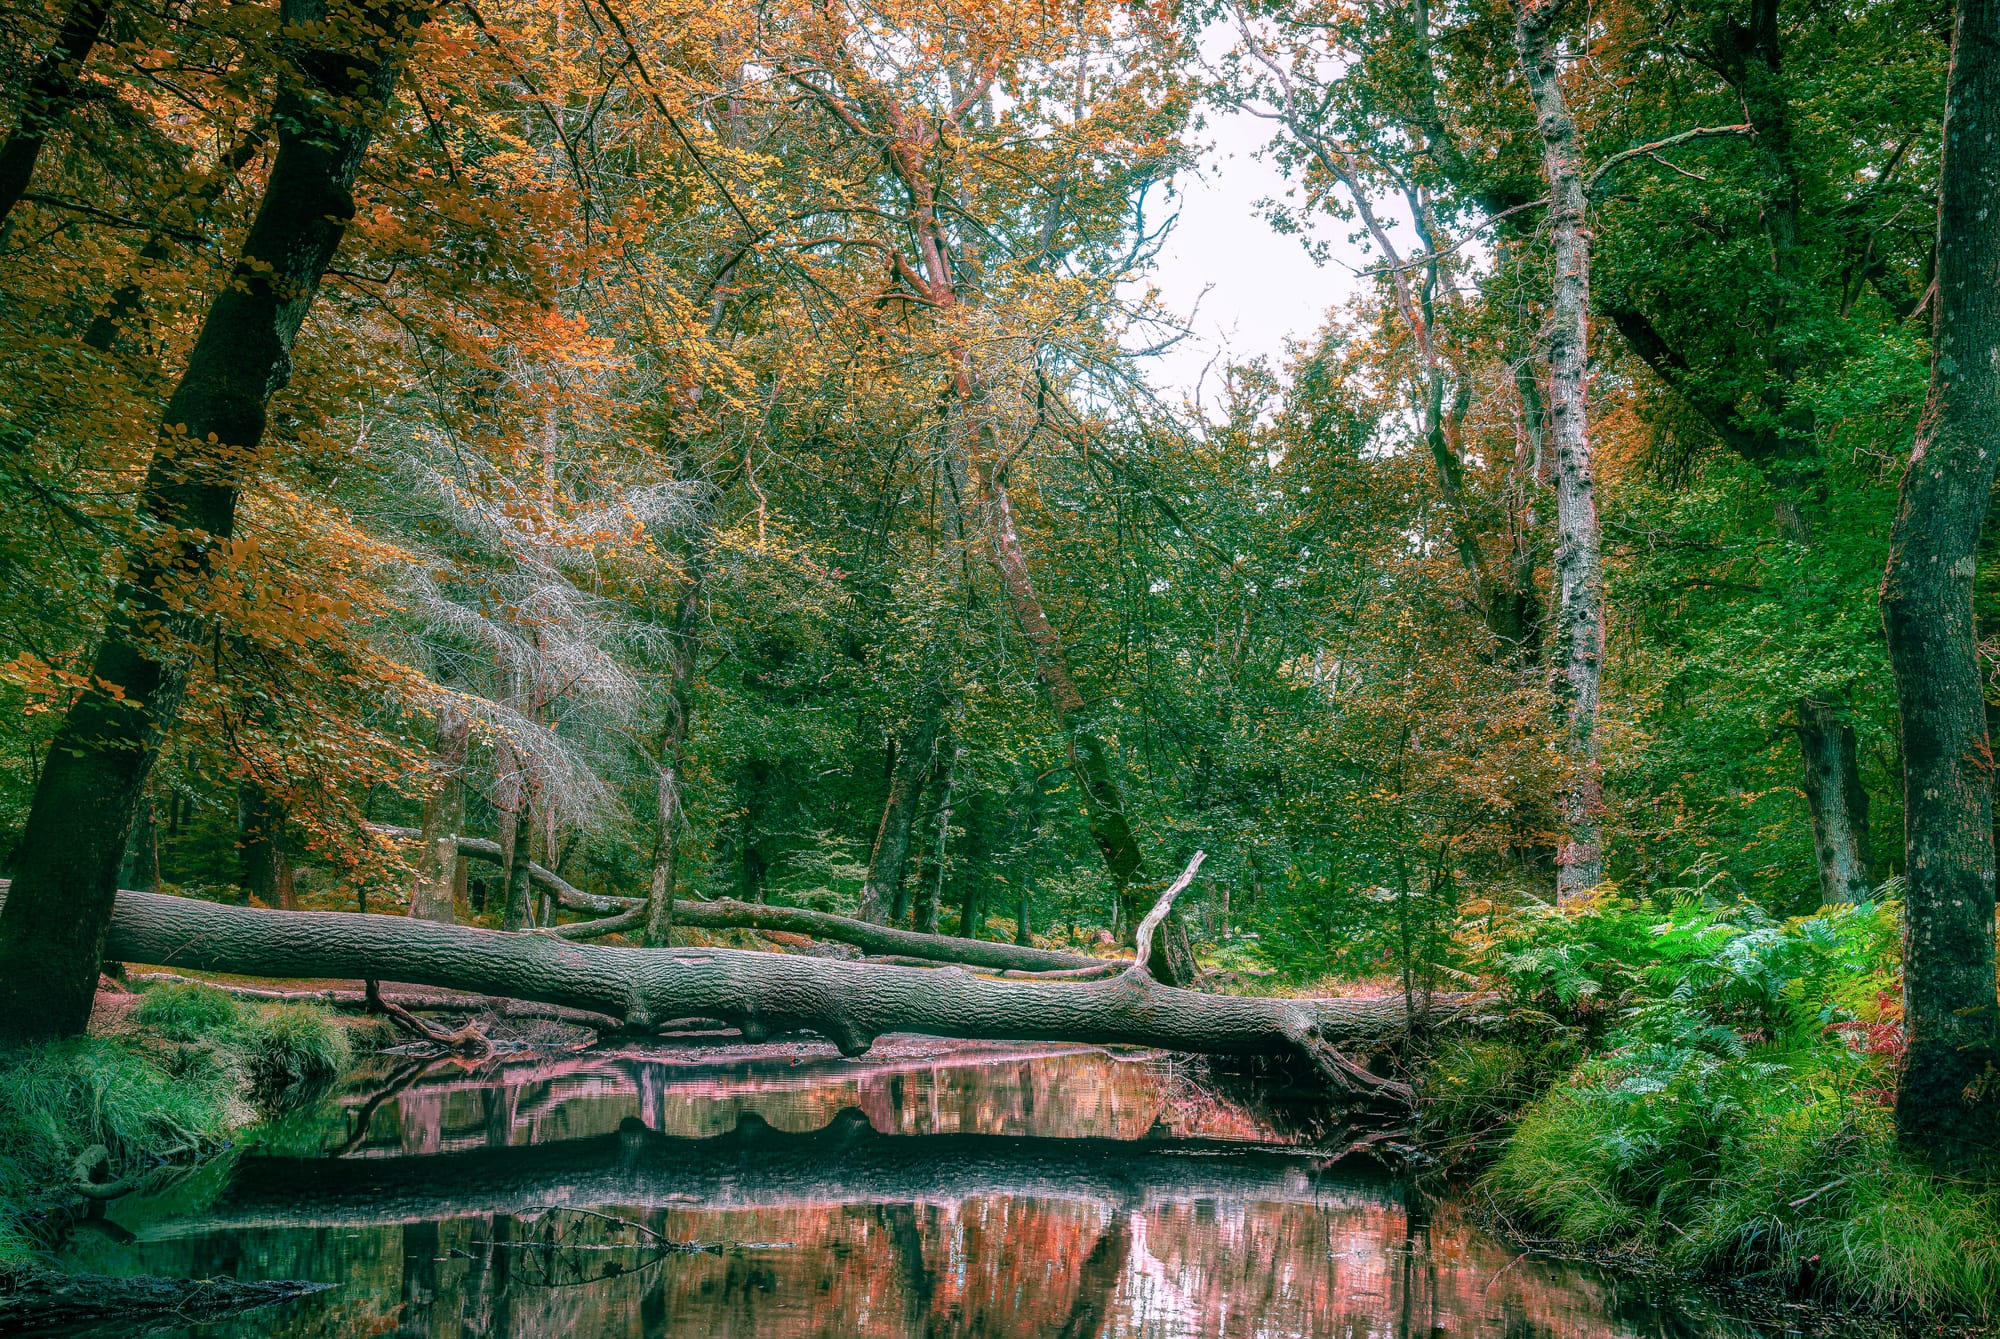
{"points": [[1578, 560], [1946, 1101]]}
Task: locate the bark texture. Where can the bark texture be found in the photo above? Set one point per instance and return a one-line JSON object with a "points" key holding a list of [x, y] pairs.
{"points": [[33, 1298], [1945, 1103], [329, 100], [850, 1004], [1838, 801], [1579, 564], [53, 90]]}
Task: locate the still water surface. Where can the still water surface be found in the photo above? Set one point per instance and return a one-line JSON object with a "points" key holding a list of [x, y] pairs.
{"points": [[929, 1190]]}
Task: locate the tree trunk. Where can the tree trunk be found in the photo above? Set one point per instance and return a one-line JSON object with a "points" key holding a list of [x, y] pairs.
{"points": [[142, 852], [52, 90], [1944, 1103], [1090, 760], [515, 906], [88, 794], [1839, 804], [850, 1004], [933, 889], [444, 819], [107, 325], [260, 826], [1578, 562], [673, 743], [882, 891]]}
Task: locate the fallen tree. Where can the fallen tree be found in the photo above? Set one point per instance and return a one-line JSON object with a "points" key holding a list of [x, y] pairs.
{"points": [[758, 1166], [848, 1003], [626, 913]]}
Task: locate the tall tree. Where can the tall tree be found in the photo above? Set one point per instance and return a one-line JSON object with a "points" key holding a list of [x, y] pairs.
{"points": [[1949, 1095], [1579, 562], [340, 71]]}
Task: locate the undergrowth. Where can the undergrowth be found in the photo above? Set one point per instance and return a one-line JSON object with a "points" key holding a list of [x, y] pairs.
{"points": [[1708, 1087], [195, 1067]]}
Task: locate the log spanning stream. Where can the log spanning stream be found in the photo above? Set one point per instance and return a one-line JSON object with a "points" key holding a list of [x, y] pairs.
{"points": [[931, 1189]]}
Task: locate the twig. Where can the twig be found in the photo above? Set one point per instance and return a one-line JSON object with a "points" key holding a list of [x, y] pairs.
{"points": [[1591, 184]]}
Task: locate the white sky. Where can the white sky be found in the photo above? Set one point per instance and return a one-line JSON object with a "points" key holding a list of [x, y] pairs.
{"points": [[1246, 288]]}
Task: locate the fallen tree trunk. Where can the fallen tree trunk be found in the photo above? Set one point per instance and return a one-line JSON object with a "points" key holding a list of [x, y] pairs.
{"points": [[729, 914], [758, 1166], [850, 1004]]}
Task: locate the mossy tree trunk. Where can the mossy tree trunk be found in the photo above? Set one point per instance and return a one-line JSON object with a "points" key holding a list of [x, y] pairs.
{"points": [[1946, 1101]]}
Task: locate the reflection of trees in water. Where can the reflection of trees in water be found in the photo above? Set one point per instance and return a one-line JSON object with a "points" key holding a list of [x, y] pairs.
{"points": [[997, 1267], [1074, 1094], [527, 1211]]}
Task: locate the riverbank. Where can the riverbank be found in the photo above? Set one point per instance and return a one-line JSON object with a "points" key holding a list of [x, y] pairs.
{"points": [[162, 1083], [1704, 1092]]}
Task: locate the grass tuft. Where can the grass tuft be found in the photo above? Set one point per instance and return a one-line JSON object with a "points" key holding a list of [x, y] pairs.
{"points": [[157, 1100]]}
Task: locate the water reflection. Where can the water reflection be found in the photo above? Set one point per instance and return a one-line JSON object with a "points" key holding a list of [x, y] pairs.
{"points": [[1051, 1192]]}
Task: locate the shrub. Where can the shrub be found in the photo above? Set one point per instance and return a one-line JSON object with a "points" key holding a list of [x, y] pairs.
{"points": [[60, 1100], [162, 1100], [1731, 1115]]}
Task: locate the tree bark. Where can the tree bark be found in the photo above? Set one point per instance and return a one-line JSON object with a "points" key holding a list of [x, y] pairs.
{"points": [[53, 90], [32, 1298], [444, 816], [1578, 560], [518, 877], [1838, 801], [673, 744], [891, 855], [850, 1004], [1945, 1103], [260, 824], [329, 101], [142, 852]]}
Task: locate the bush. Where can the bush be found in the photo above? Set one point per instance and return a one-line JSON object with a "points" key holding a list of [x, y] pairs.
{"points": [[1731, 1115], [61, 1100]]}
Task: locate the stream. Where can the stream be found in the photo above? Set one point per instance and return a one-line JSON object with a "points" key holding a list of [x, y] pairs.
{"points": [[930, 1189]]}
